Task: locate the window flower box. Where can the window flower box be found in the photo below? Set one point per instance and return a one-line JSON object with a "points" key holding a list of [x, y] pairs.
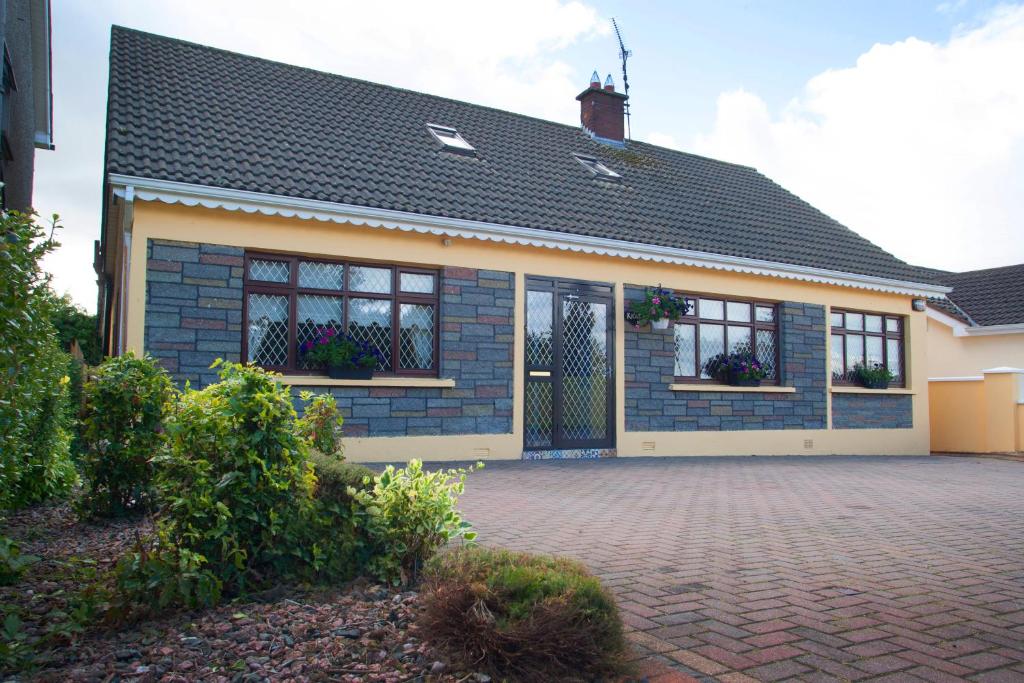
{"points": [[342, 372], [342, 356], [738, 368], [874, 376]]}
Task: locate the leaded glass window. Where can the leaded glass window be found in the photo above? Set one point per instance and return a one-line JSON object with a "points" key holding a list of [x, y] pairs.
{"points": [[290, 300], [713, 325], [866, 338]]}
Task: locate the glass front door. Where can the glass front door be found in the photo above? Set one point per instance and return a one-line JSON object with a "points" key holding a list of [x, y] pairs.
{"points": [[569, 365]]}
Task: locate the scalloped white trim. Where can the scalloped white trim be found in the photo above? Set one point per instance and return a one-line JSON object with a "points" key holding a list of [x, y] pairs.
{"points": [[187, 194]]}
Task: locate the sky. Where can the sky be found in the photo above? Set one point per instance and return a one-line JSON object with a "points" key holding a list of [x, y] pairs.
{"points": [[902, 120]]}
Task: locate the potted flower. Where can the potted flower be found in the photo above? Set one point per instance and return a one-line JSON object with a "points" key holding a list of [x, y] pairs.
{"points": [[342, 356], [738, 368], [873, 376], [658, 307]]}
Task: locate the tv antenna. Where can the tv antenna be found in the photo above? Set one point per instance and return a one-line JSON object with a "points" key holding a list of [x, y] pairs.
{"points": [[624, 55]]}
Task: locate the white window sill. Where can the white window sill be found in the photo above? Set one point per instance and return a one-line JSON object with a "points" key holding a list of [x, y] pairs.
{"points": [[720, 388], [321, 381], [863, 390]]}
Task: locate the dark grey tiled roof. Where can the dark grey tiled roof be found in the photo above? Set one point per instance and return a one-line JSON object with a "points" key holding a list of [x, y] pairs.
{"points": [[949, 308], [185, 112], [994, 296]]}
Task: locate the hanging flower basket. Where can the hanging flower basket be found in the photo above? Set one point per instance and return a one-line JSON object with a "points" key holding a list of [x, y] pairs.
{"points": [[659, 307]]}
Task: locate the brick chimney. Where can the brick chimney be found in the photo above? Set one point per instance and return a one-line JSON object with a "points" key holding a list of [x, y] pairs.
{"points": [[602, 111]]}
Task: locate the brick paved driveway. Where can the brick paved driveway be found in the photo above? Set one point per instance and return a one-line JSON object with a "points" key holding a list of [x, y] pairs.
{"points": [[839, 568]]}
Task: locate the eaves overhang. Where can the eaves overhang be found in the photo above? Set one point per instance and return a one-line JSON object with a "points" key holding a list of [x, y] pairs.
{"points": [[188, 194], [962, 329]]}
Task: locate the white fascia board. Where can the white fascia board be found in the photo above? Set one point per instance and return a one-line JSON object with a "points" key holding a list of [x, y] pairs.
{"points": [[959, 327], [988, 330], [171, 192], [962, 329]]}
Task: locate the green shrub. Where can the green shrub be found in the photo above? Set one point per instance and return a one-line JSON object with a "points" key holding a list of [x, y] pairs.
{"points": [[73, 324], [340, 548], [77, 371], [126, 401], [236, 492], [34, 443], [12, 562], [522, 617], [320, 423], [409, 515], [334, 477]]}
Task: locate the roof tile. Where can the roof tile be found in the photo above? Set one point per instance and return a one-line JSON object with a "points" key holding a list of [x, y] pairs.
{"points": [[190, 113]]}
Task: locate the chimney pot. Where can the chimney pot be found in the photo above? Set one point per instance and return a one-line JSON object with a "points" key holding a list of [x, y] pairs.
{"points": [[602, 111]]}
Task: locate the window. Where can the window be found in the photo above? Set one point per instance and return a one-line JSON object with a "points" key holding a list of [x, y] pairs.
{"points": [[450, 138], [717, 325], [288, 299], [865, 338], [596, 167]]}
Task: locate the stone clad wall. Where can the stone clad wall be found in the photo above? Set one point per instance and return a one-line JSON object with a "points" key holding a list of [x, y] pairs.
{"points": [[872, 411], [652, 406], [476, 351], [194, 315], [193, 307]]}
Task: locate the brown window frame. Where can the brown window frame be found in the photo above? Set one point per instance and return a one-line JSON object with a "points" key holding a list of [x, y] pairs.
{"points": [[695, 320], [292, 290], [845, 378]]}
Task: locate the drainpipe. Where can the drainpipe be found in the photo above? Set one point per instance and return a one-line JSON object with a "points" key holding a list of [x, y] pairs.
{"points": [[127, 219]]}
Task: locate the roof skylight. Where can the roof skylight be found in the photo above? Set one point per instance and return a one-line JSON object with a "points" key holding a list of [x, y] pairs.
{"points": [[596, 167], [450, 138]]}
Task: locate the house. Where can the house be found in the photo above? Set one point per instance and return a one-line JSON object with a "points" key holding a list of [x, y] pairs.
{"points": [[491, 258], [26, 97], [976, 361], [980, 324]]}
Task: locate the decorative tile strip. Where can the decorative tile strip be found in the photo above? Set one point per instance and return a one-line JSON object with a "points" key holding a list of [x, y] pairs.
{"points": [[570, 454]]}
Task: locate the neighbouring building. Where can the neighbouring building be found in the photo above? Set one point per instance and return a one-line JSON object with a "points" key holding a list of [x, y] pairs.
{"points": [[976, 361], [491, 258], [979, 325], [26, 96]]}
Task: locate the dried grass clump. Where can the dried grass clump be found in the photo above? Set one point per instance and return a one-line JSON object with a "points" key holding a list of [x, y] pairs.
{"points": [[522, 617]]}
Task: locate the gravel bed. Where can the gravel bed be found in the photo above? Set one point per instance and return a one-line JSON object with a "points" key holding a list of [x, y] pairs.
{"points": [[360, 632]]}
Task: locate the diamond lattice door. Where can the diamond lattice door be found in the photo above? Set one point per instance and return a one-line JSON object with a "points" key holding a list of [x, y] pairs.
{"points": [[569, 368]]}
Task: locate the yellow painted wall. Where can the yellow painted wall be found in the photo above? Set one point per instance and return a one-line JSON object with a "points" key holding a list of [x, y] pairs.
{"points": [[1020, 427], [951, 356], [958, 416], [274, 233], [977, 416]]}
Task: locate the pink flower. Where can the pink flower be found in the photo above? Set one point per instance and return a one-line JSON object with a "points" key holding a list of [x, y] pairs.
{"points": [[323, 340], [656, 300]]}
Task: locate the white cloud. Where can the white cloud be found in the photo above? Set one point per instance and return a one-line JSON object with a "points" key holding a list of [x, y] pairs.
{"points": [[500, 54], [662, 139], [919, 146]]}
